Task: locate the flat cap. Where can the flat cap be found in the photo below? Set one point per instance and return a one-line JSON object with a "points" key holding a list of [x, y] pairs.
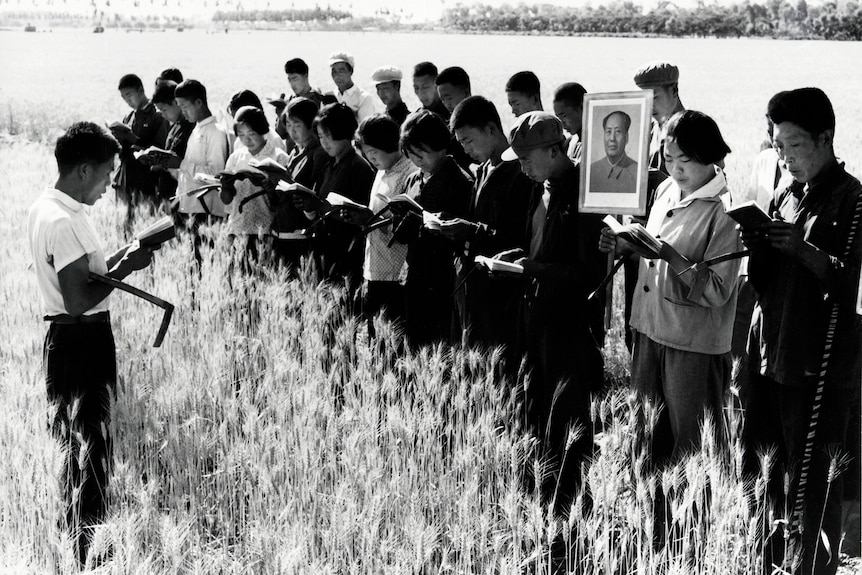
{"points": [[386, 74], [345, 57], [531, 131], [658, 73]]}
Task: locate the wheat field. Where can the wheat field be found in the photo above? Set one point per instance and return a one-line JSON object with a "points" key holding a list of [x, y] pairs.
{"points": [[268, 435]]}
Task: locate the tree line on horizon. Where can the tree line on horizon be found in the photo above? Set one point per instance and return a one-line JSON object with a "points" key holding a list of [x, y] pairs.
{"points": [[775, 19]]}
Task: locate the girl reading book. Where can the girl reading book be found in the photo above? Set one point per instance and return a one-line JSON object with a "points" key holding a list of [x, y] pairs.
{"points": [[250, 217], [683, 318]]}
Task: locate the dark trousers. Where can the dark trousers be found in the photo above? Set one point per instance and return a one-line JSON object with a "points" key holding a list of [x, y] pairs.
{"points": [[778, 416], [290, 253], [383, 296], [80, 368], [630, 271]]}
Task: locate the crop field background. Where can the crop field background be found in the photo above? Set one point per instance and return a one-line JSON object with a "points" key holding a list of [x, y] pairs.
{"points": [[268, 435]]}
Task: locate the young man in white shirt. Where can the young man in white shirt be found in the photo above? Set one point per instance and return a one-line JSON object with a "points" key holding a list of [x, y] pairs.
{"points": [[341, 65], [79, 355]]}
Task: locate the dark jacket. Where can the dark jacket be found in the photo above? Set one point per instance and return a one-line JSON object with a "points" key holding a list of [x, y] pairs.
{"points": [[133, 179]]}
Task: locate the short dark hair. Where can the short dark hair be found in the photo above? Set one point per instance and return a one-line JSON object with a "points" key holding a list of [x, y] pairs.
{"points": [[808, 108], [524, 82], [425, 69], [302, 109], [244, 98], [84, 143], [296, 66], [571, 94], [164, 92], [424, 130], [475, 111], [627, 120], [698, 136], [172, 74], [381, 132], [252, 117], [130, 81], [337, 119], [191, 90], [455, 75]]}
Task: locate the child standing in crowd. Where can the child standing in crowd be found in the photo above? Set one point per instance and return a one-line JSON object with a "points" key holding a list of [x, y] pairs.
{"points": [[384, 269], [249, 98], [306, 164], [440, 186], [337, 255], [250, 221], [178, 138], [683, 319]]}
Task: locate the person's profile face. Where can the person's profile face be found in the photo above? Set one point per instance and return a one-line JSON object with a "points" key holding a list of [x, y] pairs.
{"points": [[569, 116], [663, 103], [298, 83], [298, 131], [97, 178], [451, 95], [802, 154], [616, 136], [189, 108], [521, 103], [425, 90], [378, 158], [330, 145], [426, 160], [342, 76], [478, 143], [537, 164], [171, 112], [133, 97], [249, 138], [388, 94]]}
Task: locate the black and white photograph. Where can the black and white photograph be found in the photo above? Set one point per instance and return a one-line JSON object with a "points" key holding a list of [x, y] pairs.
{"points": [[469, 287], [616, 153]]}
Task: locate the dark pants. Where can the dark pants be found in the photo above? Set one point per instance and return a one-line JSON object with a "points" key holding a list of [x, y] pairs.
{"points": [[290, 253], [383, 296], [630, 271], [778, 416], [80, 368], [689, 385]]}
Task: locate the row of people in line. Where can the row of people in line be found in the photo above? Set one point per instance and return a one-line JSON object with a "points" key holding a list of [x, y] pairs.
{"points": [[520, 202]]}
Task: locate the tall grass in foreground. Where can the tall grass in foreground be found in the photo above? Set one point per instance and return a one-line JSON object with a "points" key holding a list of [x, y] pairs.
{"points": [[268, 435]]}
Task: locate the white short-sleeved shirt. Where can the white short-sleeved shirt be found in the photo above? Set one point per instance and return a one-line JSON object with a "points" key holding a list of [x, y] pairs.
{"points": [[60, 233]]}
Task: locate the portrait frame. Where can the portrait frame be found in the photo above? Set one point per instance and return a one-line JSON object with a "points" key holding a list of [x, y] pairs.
{"points": [[615, 187]]}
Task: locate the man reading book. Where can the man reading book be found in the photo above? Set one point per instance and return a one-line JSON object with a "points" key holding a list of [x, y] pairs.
{"points": [[79, 361]]}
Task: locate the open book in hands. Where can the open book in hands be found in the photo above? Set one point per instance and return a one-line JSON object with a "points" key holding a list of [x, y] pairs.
{"points": [[499, 265], [157, 233], [271, 168], [122, 132], [643, 242], [153, 155], [749, 215]]}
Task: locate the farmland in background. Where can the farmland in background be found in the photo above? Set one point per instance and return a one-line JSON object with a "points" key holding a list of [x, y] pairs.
{"points": [[267, 435]]}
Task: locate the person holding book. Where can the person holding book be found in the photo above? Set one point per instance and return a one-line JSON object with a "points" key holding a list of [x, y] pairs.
{"points": [[440, 187], [79, 360], [249, 98], [682, 317], [296, 71], [141, 128], [488, 305], [562, 355], [385, 269], [251, 215], [804, 267], [569, 108], [206, 153], [166, 165], [338, 249], [306, 163]]}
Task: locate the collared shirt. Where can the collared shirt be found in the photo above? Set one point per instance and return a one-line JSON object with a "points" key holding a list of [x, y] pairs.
{"points": [[256, 215], [793, 304], [399, 113], [573, 149], [61, 233], [361, 102], [697, 318], [206, 153], [610, 177], [384, 263], [766, 176]]}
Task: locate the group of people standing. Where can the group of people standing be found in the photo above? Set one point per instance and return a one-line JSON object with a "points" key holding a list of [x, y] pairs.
{"points": [[510, 196]]}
